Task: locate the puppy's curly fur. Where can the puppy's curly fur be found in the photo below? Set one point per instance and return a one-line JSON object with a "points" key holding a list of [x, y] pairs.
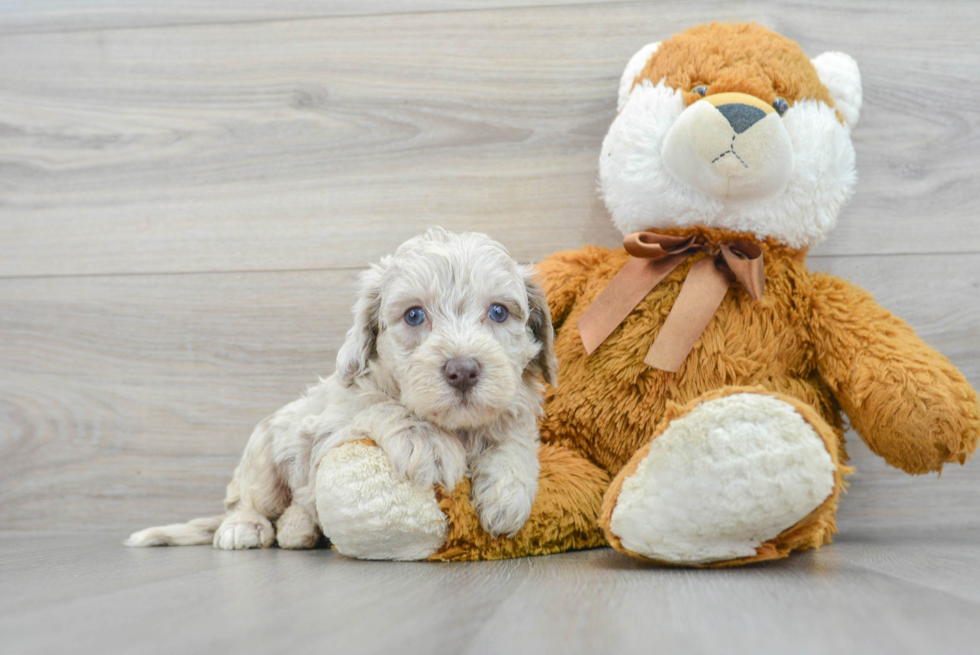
{"points": [[392, 384]]}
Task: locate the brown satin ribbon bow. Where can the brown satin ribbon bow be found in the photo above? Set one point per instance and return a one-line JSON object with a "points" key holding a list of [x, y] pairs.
{"points": [[654, 256]]}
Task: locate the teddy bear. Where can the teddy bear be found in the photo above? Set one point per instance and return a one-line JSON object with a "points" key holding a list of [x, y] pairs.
{"points": [[704, 369]]}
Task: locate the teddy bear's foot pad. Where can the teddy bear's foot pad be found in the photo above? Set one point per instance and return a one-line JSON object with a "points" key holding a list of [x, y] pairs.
{"points": [[727, 476], [368, 512]]}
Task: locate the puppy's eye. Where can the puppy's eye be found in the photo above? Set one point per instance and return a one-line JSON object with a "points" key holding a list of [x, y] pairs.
{"points": [[700, 89], [780, 106], [497, 313], [415, 316]]}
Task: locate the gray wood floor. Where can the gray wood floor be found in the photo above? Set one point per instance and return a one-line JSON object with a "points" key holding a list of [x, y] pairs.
{"points": [[187, 190]]}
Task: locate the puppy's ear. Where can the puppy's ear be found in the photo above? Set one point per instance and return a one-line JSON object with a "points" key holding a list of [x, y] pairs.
{"points": [[359, 345], [539, 323]]}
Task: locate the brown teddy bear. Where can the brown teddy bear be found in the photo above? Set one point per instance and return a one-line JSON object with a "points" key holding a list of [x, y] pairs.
{"points": [[703, 368]]}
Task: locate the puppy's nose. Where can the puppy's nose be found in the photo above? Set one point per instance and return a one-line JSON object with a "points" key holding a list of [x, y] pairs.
{"points": [[462, 373]]}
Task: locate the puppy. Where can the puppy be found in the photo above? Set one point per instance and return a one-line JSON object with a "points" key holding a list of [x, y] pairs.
{"points": [[441, 369]]}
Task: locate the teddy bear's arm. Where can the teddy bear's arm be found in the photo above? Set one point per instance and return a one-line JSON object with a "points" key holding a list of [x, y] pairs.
{"points": [[563, 275], [907, 401]]}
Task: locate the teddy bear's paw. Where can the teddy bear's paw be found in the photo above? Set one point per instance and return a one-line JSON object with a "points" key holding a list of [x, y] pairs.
{"points": [[369, 512], [727, 476]]}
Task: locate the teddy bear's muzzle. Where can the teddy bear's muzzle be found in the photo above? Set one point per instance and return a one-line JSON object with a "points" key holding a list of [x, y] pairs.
{"points": [[730, 146]]}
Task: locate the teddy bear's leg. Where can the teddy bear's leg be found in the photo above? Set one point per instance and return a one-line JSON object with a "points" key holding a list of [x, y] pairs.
{"points": [[734, 477], [368, 512]]}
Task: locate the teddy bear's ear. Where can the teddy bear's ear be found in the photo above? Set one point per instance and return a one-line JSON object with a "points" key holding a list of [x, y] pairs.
{"points": [[840, 74], [633, 68]]}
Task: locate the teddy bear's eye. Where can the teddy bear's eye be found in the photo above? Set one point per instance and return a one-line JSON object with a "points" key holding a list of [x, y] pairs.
{"points": [[700, 89], [780, 106]]}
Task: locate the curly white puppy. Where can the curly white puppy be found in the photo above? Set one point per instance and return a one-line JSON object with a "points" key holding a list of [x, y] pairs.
{"points": [[441, 369]]}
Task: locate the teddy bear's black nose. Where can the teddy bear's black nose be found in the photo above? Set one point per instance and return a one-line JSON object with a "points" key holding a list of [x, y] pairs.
{"points": [[741, 117], [462, 373]]}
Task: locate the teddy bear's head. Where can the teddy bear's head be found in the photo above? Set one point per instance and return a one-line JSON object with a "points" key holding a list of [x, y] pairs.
{"points": [[732, 126]]}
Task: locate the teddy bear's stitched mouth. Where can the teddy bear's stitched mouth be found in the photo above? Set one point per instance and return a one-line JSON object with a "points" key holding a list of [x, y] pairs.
{"points": [[731, 151]]}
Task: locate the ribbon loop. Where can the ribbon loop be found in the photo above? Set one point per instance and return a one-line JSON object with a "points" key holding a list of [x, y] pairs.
{"points": [[650, 245], [654, 256]]}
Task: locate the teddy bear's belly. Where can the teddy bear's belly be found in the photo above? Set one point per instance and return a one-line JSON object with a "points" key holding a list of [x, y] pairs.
{"points": [[608, 404]]}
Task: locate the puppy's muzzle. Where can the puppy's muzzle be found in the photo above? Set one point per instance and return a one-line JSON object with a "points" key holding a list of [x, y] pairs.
{"points": [[462, 373]]}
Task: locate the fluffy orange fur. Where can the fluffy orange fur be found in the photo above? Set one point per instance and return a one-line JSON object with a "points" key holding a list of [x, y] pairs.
{"points": [[746, 343], [741, 57]]}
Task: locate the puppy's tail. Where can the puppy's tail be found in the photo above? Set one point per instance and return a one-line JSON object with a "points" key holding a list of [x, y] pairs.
{"points": [[192, 533]]}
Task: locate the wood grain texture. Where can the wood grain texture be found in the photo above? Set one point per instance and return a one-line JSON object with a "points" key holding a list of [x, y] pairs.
{"points": [[149, 385], [34, 16], [896, 593], [322, 143]]}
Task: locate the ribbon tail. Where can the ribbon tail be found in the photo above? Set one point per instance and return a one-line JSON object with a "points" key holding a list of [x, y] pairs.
{"points": [[747, 266], [626, 290], [702, 293]]}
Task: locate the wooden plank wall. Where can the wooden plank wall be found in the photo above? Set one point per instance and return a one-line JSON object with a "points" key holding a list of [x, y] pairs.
{"points": [[188, 189]]}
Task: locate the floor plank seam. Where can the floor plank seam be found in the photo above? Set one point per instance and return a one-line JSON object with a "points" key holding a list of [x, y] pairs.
{"points": [[319, 17], [334, 269], [50, 276]]}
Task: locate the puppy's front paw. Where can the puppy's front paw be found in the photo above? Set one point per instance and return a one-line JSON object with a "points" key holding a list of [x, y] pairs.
{"points": [[426, 457], [503, 505]]}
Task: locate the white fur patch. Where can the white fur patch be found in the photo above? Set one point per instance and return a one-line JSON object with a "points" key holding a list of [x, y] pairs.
{"points": [[842, 77], [633, 68], [192, 533], [505, 482], [641, 194], [368, 512], [729, 475]]}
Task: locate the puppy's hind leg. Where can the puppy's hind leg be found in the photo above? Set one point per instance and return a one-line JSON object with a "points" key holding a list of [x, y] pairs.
{"points": [[256, 496], [296, 529]]}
